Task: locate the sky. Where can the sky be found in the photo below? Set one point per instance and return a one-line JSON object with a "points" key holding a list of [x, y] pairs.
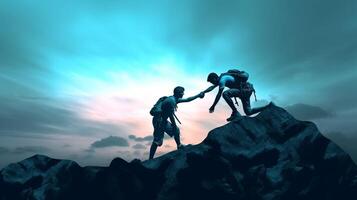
{"points": [[78, 78]]}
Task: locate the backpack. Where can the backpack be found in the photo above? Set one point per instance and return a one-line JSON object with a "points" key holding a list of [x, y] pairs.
{"points": [[156, 109], [247, 89], [239, 76]]}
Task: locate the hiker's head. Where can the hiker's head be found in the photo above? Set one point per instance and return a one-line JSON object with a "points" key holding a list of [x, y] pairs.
{"points": [[213, 78], [179, 91]]}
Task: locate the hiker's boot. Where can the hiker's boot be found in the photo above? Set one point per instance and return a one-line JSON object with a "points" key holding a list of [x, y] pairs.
{"points": [[234, 115]]}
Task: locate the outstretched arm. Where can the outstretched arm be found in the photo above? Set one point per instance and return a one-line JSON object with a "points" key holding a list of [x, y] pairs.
{"points": [[218, 96], [209, 89], [201, 95], [183, 100]]}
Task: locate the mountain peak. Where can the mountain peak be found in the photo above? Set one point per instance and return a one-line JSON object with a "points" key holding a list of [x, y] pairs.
{"points": [[269, 156]]}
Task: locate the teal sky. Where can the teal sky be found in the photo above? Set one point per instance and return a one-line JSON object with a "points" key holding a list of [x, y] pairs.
{"points": [[77, 72]]}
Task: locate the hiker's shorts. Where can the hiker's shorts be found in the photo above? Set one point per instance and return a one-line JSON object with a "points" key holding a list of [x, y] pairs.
{"points": [[160, 128], [243, 96]]}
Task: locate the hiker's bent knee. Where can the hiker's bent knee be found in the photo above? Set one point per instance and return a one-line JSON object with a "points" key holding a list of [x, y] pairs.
{"points": [[158, 141], [227, 94]]}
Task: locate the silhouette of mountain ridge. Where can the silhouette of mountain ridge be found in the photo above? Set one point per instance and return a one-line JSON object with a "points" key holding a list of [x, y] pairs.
{"points": [[269, 156]]}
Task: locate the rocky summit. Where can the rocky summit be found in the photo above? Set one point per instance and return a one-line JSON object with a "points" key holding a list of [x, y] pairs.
{"points": [[271, 156]]}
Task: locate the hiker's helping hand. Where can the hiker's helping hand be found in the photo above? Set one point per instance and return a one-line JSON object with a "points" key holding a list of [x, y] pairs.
{"points": [[201, 95], [211, 109]]}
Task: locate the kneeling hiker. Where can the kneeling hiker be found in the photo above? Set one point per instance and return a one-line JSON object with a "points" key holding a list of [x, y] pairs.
{"points": [[165, 108], [238, 86]]}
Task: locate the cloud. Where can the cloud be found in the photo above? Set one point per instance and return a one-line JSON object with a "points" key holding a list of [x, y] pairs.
{"points": [[137, 153], [148, 138], [31, 149], [24, 117], [339, 95], [4, 150], [343, 121], [308, 112], [139, 146], [111, 141], [89, 150], [347, 141], [132, 137], [141, 139]]}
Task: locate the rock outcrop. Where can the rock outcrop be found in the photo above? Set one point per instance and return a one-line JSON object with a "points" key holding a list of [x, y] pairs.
{"points": [[268, 157]]}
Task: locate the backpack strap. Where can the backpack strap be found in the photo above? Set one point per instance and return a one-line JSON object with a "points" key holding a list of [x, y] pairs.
{"points": [[177, 118], [236, 102]]}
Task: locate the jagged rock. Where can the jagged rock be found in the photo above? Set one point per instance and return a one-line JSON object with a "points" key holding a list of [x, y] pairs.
{"points": [[39, 177], [270, 156]]}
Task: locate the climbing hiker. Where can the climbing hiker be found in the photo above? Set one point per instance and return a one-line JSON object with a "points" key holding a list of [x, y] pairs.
{"points": [[163, 110], [237, 82]]}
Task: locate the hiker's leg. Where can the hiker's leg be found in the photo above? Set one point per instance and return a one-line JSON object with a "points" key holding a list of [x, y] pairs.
{"points": [[247, 108], [152, 150], [228, 94], [156, 143], [171, 131], [177, 137], [158, 136]]}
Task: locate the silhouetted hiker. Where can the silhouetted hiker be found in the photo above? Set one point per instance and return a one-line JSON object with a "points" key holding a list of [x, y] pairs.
{"points": [[238, 86], [165, 108]]}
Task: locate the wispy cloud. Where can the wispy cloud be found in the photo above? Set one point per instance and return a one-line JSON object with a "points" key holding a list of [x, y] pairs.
{"points": [[4, 150], [141, 139], [347, 141], [308, 112], [53, 116], [31, 150], [139, 146], [111, 141]]}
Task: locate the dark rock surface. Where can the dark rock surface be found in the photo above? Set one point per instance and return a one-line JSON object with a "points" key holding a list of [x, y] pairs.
{"points": [[270, 156]]}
